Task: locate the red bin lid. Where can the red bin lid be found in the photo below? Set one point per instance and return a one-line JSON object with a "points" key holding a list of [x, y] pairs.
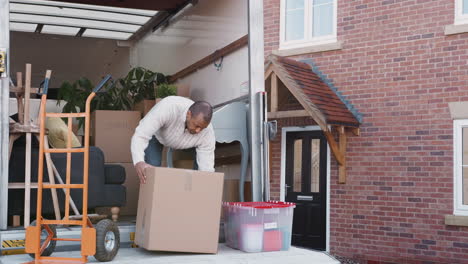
{"points": [[263, 205]]}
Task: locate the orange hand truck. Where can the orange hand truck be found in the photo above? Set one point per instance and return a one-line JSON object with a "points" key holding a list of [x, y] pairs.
{"points": [[102, 242]]}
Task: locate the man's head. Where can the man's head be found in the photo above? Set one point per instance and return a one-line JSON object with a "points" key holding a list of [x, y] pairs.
{"points": [[198, 117]]}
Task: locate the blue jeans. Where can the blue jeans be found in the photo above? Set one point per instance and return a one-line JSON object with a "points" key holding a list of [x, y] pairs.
{"points": [[153, 153]]}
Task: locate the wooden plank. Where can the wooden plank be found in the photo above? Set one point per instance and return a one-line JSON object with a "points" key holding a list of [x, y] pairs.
{"points": [[65, 114], [334, 147], [286, 114], [27, 94], [12, 140], [20, 90], [210, 58], [341, 129], [342, 167], [27, 181], [50, 172], [274, 93], [268, 71], [59, 179], [21, 185], [19, 97], [21, 129], [27, 169]]}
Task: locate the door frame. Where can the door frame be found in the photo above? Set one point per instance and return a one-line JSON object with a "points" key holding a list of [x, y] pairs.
{"points": [[285, 130]]}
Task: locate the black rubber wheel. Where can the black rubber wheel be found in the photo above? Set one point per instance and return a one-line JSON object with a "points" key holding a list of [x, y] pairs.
{"points": [[51, 246], [107, 240]]}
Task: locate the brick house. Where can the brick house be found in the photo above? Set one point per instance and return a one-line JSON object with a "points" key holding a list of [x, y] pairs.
{"points": [[401, 66]]}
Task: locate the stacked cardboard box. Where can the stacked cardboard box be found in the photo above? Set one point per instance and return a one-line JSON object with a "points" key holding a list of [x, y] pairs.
{"points": [[112, 131]]}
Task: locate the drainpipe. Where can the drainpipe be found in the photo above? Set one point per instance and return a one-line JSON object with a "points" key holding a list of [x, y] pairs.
{"points": [[4, 97]]}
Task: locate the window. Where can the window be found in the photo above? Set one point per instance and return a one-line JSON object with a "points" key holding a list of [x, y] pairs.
{"points": [[460, 140], [461, 11], [307, 22]]}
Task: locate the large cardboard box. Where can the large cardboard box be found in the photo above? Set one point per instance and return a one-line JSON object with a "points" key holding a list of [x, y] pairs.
{"points": [[112, 132], [179, 210], [144, 106], [183, 89]]}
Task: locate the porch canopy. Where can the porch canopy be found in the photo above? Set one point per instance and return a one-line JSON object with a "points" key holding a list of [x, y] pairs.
{"points": [[303, 92]]}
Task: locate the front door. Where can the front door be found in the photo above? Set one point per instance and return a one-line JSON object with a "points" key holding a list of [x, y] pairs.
{"points": [[306, 170]]}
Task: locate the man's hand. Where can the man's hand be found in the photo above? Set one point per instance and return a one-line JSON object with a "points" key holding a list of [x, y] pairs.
{"points": [[140, 168]]}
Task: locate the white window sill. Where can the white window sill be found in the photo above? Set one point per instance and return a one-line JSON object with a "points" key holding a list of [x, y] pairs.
{"points": [[456, 29], [309, 49], [456, 220], [458, 110]]}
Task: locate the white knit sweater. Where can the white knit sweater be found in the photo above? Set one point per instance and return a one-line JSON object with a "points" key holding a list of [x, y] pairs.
{"points": [[166, 121]]}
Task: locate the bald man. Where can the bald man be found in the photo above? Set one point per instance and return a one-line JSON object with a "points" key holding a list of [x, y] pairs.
{"points": [[178, 123]]}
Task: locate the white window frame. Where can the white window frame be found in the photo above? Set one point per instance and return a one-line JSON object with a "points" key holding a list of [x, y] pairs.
{"points": [[460, 18], [458, 207], [308, 17]]}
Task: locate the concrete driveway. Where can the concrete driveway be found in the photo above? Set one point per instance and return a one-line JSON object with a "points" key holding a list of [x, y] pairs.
{"points": [[225, 255]]}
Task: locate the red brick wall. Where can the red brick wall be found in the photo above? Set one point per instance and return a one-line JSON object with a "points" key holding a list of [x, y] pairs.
{"points": [[400, 70]]}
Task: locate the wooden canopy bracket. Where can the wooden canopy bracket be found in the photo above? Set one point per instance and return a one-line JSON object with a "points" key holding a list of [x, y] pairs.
{"points": [[334, 147], [339, 151], [274, 93], [356, 131], [342, 167]]}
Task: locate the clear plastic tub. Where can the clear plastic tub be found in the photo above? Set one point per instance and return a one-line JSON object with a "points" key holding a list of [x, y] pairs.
{"points": [[258, 226]]}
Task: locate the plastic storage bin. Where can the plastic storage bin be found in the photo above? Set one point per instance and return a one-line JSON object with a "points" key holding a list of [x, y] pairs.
{"points": [[258, 226]]}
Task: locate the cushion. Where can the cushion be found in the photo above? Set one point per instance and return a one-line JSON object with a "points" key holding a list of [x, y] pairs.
{"points": [[58, 133], [115, 174]]}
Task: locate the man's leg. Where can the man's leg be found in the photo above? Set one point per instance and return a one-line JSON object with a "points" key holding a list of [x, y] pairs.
{"points": [[153, 153]]}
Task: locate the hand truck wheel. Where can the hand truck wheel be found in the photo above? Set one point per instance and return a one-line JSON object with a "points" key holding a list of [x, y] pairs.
{"points": [[107, 240], [51, 246]]}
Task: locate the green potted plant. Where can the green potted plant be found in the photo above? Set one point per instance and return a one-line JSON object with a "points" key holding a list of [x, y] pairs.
{"points": [[165, 90], [140, 84], [114, 97]]}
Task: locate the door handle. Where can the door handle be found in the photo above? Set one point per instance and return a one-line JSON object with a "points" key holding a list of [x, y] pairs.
{"points": [[305, 198]]}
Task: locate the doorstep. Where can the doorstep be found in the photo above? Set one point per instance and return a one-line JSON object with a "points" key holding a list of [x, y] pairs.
{"points": [[225, 255]]}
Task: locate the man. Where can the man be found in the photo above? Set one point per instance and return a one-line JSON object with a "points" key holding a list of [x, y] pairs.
{"points": [[178, 123]]}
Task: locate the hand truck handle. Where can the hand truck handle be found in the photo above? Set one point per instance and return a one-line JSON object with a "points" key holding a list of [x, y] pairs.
{"points": [[101, 84], [45, 86]]}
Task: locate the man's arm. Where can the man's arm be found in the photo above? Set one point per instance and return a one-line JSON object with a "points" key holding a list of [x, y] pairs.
{"points": [[205, 152], [148, 126]]}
